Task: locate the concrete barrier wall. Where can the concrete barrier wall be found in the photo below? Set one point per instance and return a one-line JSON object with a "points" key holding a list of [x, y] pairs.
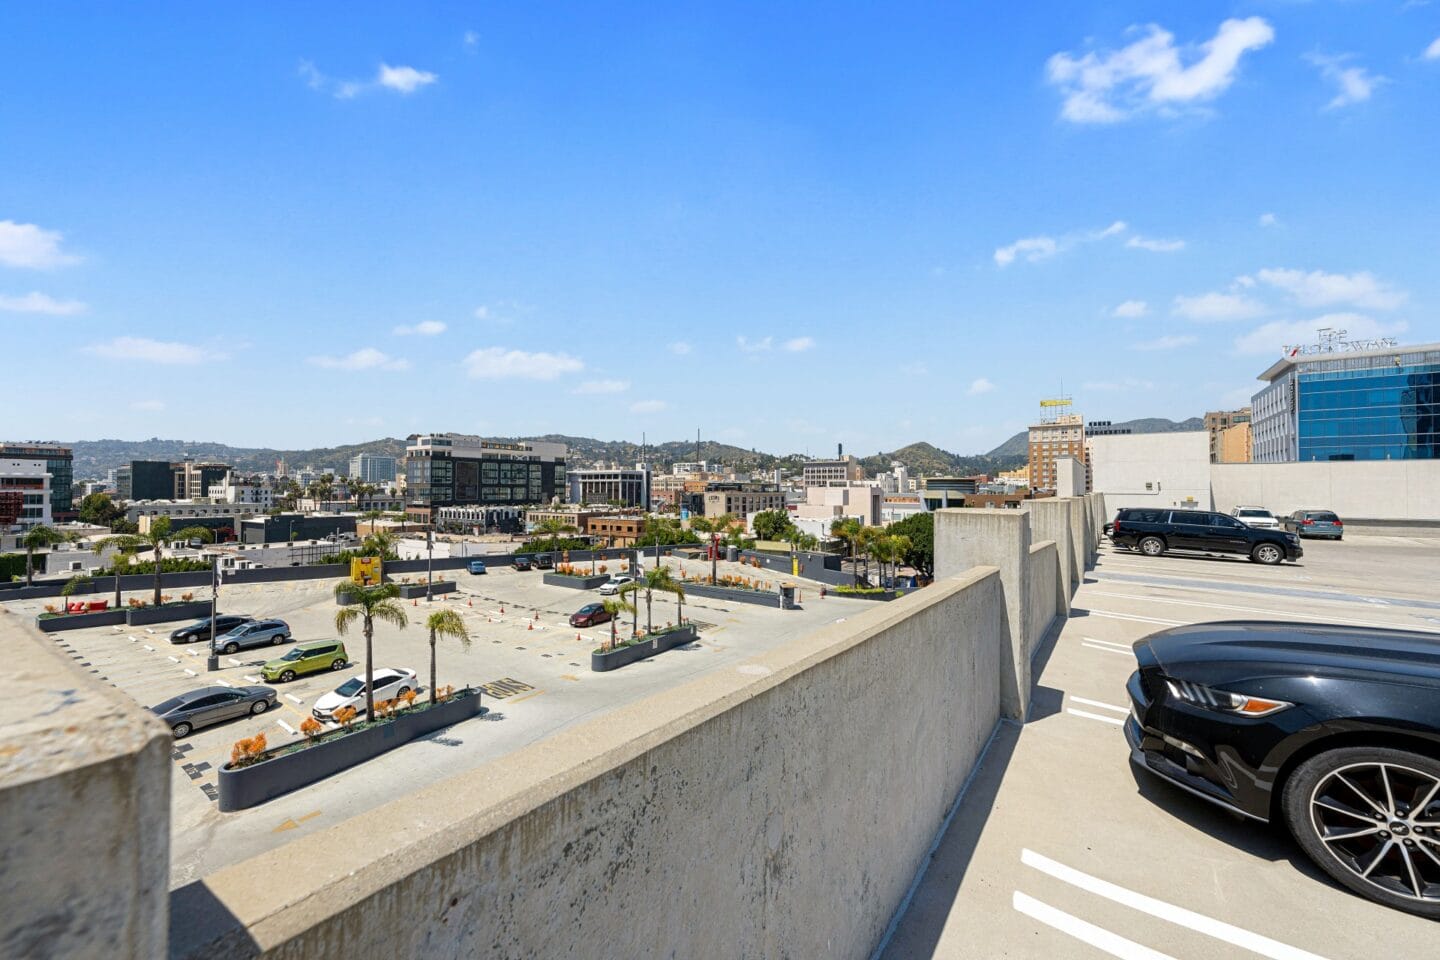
{"points": [[85, 803], [1046, 597], [1357, 489], [780, 776]]}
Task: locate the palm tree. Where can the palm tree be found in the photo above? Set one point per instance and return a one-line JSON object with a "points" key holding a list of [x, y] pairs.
{"points": [[883, 550], [379, 543], [444, 623], [34, 538], [899, 546], [633, 586], [154, 539], [662, 580], [368, 604], [847, 529], [616, 607]]}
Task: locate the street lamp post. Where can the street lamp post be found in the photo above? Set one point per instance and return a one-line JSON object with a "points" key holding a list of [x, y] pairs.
{"points": [[430, 562], [213, 663]]}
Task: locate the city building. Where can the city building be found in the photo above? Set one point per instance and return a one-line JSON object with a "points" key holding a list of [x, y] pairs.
{"points": [[1217, 422], [252, 491], [372, 468], [1235, 444], [897, 480], [736, 499], [192, 480], [1019, 476], [1349, 400], [690, 469], [940, 492], [617, 531], [211, 514], [480, 520], [289, 527], [574, 517], [59, 464], [451, 469], [1061, 436], [619, 487], [899, 506], [145, 480], [835, 501], [1152, 470], [25, 492], [817, 473]]}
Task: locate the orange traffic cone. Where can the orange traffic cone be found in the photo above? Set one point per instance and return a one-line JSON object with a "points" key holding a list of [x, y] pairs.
{"points": [[414, 603], [469, 603], [529, 626], [502, 611], [537, 614], [577, 636]]}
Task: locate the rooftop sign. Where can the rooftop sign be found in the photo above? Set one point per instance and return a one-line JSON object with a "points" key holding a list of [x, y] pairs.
{"points": [[1330, 340]]}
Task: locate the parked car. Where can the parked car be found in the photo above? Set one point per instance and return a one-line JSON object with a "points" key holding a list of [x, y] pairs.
{"points": [[1153, 531], [1315, 523], [1256, 517], [259, 633], [543, 561], [521, 563], [303, 658], [590, 615], [1333, 730], [612, 586], [211, 705], [477, 566], [200, 629], [389, 684]]}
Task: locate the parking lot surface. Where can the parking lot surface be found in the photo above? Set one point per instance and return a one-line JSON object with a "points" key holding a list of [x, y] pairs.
{"points": [[1060, 849], [533, 667]]}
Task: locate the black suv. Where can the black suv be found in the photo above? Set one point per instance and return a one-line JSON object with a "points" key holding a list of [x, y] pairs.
{"points": [[1154, 531], [543, 561], [522, 563]]}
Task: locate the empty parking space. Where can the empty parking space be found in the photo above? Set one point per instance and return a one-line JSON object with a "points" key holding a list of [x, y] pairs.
{"points": [[1062, 849]]}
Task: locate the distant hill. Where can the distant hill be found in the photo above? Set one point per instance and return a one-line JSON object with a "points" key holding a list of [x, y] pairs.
{"points": [[925, 459], [94, 457], [1019, 445]]}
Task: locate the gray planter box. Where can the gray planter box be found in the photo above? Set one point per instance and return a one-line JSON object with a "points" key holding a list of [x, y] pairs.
{"points": [[728, 593], [249, 786], [644, 650], [887, 595], [194, 610], [416, 591], [79, 621], [577, 583]]}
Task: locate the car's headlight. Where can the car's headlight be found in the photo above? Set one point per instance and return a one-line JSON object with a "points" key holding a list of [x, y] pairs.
{"points": [[1224, 701]]}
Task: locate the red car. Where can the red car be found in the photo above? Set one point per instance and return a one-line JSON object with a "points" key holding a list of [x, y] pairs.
{"points": [[590, 615]]}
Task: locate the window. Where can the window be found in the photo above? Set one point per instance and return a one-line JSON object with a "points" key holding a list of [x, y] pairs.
{"points": [[1190, 517]]}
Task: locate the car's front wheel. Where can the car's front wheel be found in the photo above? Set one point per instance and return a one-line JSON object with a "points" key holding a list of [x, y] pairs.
{"points": [[181, 730], [232, 648], [1152, 546], [287, 676], [1268, 554], [1370, 818], [259, 707]]}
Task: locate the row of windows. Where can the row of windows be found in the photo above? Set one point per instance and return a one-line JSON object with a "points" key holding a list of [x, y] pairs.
{"points": [[1369, 451]]}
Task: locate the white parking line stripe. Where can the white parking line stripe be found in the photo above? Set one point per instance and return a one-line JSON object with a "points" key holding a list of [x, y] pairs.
{"points": [[191, 672], [225, 683], [1095, 716], [1108, 643], [291, 696], [1321, 617], [1096, 646], [176, 659], [287, 726], [1209, 926], [234, 662], [252, 679], [1126, 616], [1097, 703], [148, 647], [1085, 932]]}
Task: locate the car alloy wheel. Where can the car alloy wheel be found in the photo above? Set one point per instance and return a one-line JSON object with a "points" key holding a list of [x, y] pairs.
{"points": [[181, 730], [231, 648], [1152, 546], [259, 707], [287, 676], [1370, 817], [338, 664], [1268, 553]]}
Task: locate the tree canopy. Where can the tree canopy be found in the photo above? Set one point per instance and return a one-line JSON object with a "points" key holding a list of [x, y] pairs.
{"points": [[919, 530], [773, 525]]}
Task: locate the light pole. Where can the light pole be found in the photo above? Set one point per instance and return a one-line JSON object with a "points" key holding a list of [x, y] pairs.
{"points": [[430, 562], [213, 663]]}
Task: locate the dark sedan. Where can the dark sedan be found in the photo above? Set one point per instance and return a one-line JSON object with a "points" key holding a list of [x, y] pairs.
{"points": [[200, 629], [590, 615], [211, 705], [1334, 730]]}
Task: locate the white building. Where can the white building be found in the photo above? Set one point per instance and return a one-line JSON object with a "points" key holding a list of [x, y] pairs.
{"points": [[835, 501], [370, 468], [1152, 469], [24, 493], [629, 488], [815, 473], [255, 493]]}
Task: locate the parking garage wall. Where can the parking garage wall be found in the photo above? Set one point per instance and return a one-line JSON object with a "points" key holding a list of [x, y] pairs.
{"points": [[779, 775], [1045, 593]]}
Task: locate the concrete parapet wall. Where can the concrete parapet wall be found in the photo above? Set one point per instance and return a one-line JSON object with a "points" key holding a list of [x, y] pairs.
{"points": [[1354, 489], [762, 810], [1058, 520], [1047, 599], [85, 803]]}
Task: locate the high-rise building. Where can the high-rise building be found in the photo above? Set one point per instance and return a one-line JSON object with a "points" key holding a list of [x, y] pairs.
{"points": [[1063, 436], [1217, 422], [371, 468], [192, 480], [1235, 444], [451, 469], [59, 464], [1347, 400], [629, 488], [25, 492]]}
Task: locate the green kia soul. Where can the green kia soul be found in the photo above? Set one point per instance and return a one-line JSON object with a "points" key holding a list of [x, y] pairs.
{"points": [[306, 658]]}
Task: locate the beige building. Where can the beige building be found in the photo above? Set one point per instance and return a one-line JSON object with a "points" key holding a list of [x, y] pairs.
{"points": [[1235, 445], [741, 503], [860, 500], [1217, 422], [1050, 440], [817, 473]]}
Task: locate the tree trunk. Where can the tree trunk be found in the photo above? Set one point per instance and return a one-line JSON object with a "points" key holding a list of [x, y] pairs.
{"points": [[29, 566], [158, 565], [369, 670], [649, 624], [612, 628], [432, 666], [635, 624]]}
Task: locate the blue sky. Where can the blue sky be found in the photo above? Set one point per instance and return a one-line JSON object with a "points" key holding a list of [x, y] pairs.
{"points": [[785, 225]]}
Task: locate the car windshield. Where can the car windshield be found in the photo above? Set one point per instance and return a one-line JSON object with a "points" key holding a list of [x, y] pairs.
{"points": [[350, 687], [297, 653], [1254, 513], [165, 706]]}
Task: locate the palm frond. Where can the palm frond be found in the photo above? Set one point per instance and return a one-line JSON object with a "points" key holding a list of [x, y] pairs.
{"points": [[388, 611], [345, 618], [448, 623]]}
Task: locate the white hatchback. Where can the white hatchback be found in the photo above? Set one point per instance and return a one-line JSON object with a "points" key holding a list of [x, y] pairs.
{"points": [[613, 585], [1256, 517], [389, 684]]}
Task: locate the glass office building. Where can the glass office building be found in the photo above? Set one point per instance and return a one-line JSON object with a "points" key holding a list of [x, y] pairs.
{"points": [[448, 470], [1357, 405]]}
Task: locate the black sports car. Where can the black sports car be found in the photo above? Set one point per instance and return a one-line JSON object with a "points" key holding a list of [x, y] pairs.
{"points": [[1334, 730]]}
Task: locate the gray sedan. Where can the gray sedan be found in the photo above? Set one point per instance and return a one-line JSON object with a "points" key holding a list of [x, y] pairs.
{"points": [[260, 633], [211, 705]]}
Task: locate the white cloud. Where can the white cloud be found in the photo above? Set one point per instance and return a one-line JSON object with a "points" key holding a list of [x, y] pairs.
{"points": [[402, 80], [1432, 52], [1269, 220], [1172, 342], [1218, 306], [1118, 386], [1320, 289], [1271, 337], [152, 351], [425, 328], [1353, 84], [648, 406], [799, 344], [499, 363], [590, 387], [147, 405], [978, 386], [1155, 246], [1035, 249], [754, 346], [366, 358], [1131, 309], [679, 348], [40, 303], [471, 40], [31, 247], [1150, 74]]}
